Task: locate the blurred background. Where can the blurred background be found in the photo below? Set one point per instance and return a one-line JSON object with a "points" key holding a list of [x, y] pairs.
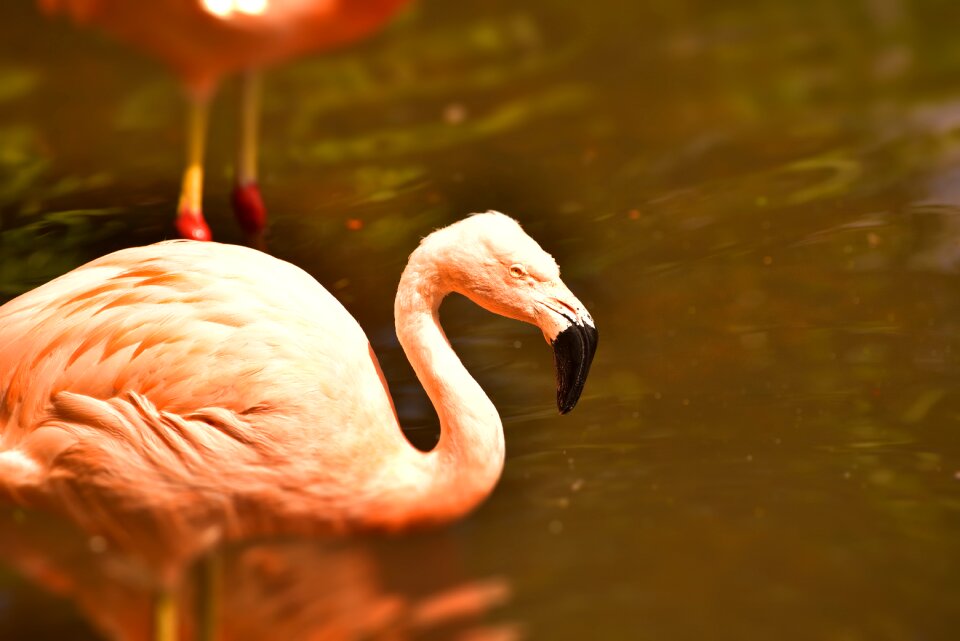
{"points": [[759, 201]]}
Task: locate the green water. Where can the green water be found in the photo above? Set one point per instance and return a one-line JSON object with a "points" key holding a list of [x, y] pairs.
{"points": [[758, 202]]}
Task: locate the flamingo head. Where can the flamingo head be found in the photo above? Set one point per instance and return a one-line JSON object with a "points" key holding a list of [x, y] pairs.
{"points": [[490, 259]]}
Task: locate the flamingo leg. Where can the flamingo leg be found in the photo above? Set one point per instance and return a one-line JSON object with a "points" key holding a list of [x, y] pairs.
{"points": [[247, 202], [190, 222], [165, 619], [210, 587]]}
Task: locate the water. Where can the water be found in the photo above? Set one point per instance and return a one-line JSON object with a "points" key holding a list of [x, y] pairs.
{"points": [[756, 200]]}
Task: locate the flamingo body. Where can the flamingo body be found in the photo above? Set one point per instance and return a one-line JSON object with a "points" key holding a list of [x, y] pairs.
{"points": [[157, 374], [171, 396], [201, 46]]}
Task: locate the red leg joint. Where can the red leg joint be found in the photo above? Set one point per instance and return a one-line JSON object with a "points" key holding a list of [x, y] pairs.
{"points": [[248, 207], [191, 225]]}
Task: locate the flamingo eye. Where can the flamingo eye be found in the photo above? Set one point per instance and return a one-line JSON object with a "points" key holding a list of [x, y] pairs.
{"points": [[518, 271]]}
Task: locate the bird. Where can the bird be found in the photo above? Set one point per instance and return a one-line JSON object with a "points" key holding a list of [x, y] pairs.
{"points": [[204, 40], [171, 397]]}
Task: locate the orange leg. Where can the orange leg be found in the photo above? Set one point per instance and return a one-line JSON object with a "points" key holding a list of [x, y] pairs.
{"points": [[165, 617], [247, 202], [190, 222]]}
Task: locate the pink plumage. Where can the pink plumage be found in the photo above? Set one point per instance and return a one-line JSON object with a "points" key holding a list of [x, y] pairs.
{"points": [[172, 396], [202, 42]]}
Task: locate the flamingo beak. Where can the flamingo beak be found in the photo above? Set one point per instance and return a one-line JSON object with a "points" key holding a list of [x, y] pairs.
{"points": [[570, 330], [573, 351]]}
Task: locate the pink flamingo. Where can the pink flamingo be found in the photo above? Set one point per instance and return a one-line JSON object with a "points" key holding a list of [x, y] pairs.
{"points": [[203, 40], [173, 396]]}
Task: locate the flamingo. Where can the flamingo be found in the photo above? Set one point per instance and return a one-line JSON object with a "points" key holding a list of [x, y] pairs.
{"points": [[174, 396], [203, 40]]}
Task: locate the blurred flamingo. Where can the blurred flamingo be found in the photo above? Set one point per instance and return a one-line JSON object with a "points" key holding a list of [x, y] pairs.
{"points": [[172, 396], [202, 40]]}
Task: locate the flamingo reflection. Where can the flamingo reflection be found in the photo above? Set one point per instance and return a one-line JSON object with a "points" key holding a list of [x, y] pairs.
{"points": [[292, 590]]}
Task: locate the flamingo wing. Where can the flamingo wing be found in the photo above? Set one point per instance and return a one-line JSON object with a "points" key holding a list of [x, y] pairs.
{"points": [[206, 349]]}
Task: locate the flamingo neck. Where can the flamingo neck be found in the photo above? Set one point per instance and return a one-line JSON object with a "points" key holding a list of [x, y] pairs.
{"points": [[464, 467]]}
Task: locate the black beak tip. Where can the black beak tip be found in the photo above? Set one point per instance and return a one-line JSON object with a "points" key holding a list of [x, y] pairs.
{"points": [[573, 350]]}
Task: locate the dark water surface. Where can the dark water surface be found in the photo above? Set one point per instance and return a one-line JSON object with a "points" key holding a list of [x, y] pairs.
{"points": [[758, 202]]}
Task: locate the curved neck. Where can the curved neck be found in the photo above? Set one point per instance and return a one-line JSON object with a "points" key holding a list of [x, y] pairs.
{"points": [[464, 466]]}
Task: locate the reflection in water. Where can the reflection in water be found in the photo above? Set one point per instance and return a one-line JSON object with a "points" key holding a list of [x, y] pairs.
{"points": [[291, 590]]}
